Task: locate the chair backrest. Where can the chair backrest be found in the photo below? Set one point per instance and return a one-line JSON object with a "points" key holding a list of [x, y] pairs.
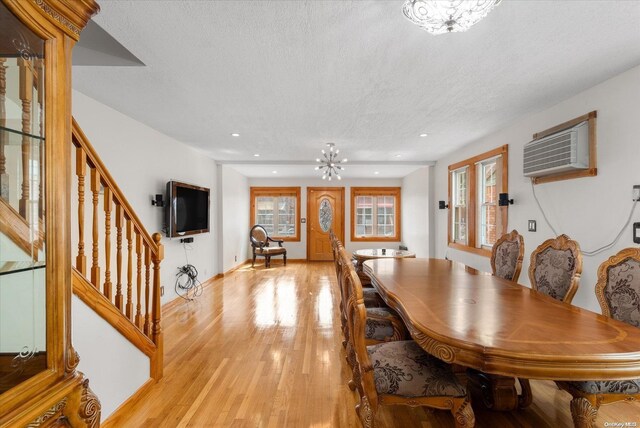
{"points": [[357, 320], [618, 287], [555, 268], [259, 236], [506, 256]]}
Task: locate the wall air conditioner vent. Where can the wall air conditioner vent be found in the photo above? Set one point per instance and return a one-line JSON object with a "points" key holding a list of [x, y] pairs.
{"points": [[563, 151]]}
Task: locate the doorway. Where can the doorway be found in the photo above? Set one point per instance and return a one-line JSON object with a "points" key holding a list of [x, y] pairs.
{"points": [[325, 211]]}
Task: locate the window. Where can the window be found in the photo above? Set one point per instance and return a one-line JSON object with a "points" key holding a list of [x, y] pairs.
{"points": [[475, 219], [277, 209], [459, 205], [375, 214]]}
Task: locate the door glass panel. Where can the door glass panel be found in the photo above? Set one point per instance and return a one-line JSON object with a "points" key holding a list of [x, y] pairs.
{"points": [[22, 232], [325, 215]]}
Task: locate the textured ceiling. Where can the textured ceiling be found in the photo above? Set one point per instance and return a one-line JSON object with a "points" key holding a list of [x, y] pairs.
{"points": [[289, 76]]}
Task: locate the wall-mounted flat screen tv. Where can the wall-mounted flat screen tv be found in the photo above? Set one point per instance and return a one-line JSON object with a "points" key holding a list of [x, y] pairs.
{"points": [[188, 209]]}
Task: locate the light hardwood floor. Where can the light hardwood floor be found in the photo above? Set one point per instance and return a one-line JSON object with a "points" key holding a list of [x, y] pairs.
{"points": [[262, 348]]}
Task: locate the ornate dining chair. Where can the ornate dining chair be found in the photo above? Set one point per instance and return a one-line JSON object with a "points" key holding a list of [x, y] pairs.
{"points": [[555, 268], [618, 292], [384, 324], [260, 240], [399, 372], [506, 256]]}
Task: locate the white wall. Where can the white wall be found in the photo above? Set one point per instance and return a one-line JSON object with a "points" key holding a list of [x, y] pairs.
{"points": [[417, 212], [115, 368], [589, 210], [234, 245], [298, 250], [142, 160]]}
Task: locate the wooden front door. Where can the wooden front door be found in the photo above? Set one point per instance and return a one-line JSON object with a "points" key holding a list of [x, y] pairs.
{"points": [[325, 211]]}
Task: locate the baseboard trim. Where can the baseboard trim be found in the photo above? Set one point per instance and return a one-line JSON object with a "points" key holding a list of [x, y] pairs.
{"points": [[114, 419]]}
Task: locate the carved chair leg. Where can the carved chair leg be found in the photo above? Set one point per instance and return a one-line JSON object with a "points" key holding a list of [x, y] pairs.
{"points": [[366, 413], [285, 259], [254, 260], [526, 396], [267, 261], [583, 413], [463, 413]]}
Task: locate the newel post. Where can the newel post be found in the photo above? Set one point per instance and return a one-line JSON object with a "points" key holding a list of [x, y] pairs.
{"points": [[156, 308]]}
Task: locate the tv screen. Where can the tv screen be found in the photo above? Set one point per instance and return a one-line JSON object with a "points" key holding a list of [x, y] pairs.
{"points": [[188, 210]]}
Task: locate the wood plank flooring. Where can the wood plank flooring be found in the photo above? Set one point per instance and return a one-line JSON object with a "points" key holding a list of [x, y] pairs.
{"points": [[262, 348]]}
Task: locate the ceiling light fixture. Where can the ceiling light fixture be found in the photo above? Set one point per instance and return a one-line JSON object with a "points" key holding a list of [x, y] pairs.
{"points": [[398, 156], [274, 172], [235, 135], [330, 165], [424, 135], [377, 172], [447, 16], [257, 155]]}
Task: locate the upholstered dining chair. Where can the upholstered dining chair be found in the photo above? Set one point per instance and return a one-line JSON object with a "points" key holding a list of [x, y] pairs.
{"points": [[618, 293], [260, 241], [399, 372], [555, 268], [384, 324], [506, 256]]}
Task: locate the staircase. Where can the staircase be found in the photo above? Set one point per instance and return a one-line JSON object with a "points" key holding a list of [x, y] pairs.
{"points": [[126, 293]]}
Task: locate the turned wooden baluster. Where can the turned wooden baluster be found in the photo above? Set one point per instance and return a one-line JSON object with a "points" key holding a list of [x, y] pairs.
{"points": [[81, 171], [156, 329], [129, 305], [119, 223], [95, 191], [147, 278], [138, 319], [108, 197], [3, 135], [26, 95]]}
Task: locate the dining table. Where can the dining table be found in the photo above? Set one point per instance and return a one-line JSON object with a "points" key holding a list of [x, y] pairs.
{"points": [[501, 330], [364, 254]]}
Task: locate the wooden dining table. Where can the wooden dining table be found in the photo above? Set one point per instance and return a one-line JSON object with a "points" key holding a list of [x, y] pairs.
{"points": [[498, 327]]}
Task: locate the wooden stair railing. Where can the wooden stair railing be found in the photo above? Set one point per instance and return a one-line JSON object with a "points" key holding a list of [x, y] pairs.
{"points": [[139, 302]]}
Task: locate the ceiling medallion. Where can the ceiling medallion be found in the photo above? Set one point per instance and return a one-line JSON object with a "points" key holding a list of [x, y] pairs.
{"points": [[447, 16], [329, 164]]}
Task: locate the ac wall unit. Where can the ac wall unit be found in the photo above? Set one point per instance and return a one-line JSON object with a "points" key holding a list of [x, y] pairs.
{"points": [[566, 150]]}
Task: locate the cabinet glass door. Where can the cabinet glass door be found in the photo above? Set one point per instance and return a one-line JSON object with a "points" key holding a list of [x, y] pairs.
{"points": [[22, 232]]}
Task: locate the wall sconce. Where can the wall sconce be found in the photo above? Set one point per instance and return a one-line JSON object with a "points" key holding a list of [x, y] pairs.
{"points": [[442, 205], [158, 202], [503, 200]]}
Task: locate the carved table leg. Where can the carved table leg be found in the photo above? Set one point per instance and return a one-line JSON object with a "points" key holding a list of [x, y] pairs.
{"points": [[495, 392], [583, 413], [526, 397]]}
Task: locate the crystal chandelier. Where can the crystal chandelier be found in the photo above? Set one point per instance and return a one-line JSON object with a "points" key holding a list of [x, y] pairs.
{"points": [[329, 164], [447, 16]]}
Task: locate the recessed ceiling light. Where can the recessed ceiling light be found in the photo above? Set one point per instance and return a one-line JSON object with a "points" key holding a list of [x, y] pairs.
{"points": [[398, 156], [377, 172], [257, 155], [235, 135], [274, 172], [424, 135]]}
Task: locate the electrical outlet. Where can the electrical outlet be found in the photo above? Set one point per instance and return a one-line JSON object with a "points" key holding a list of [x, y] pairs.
{"points": [[532, 226], [636, 192], [162, 290]]}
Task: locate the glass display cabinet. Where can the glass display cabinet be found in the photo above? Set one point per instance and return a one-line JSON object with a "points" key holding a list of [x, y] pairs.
{"points": [[39, 384]]}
